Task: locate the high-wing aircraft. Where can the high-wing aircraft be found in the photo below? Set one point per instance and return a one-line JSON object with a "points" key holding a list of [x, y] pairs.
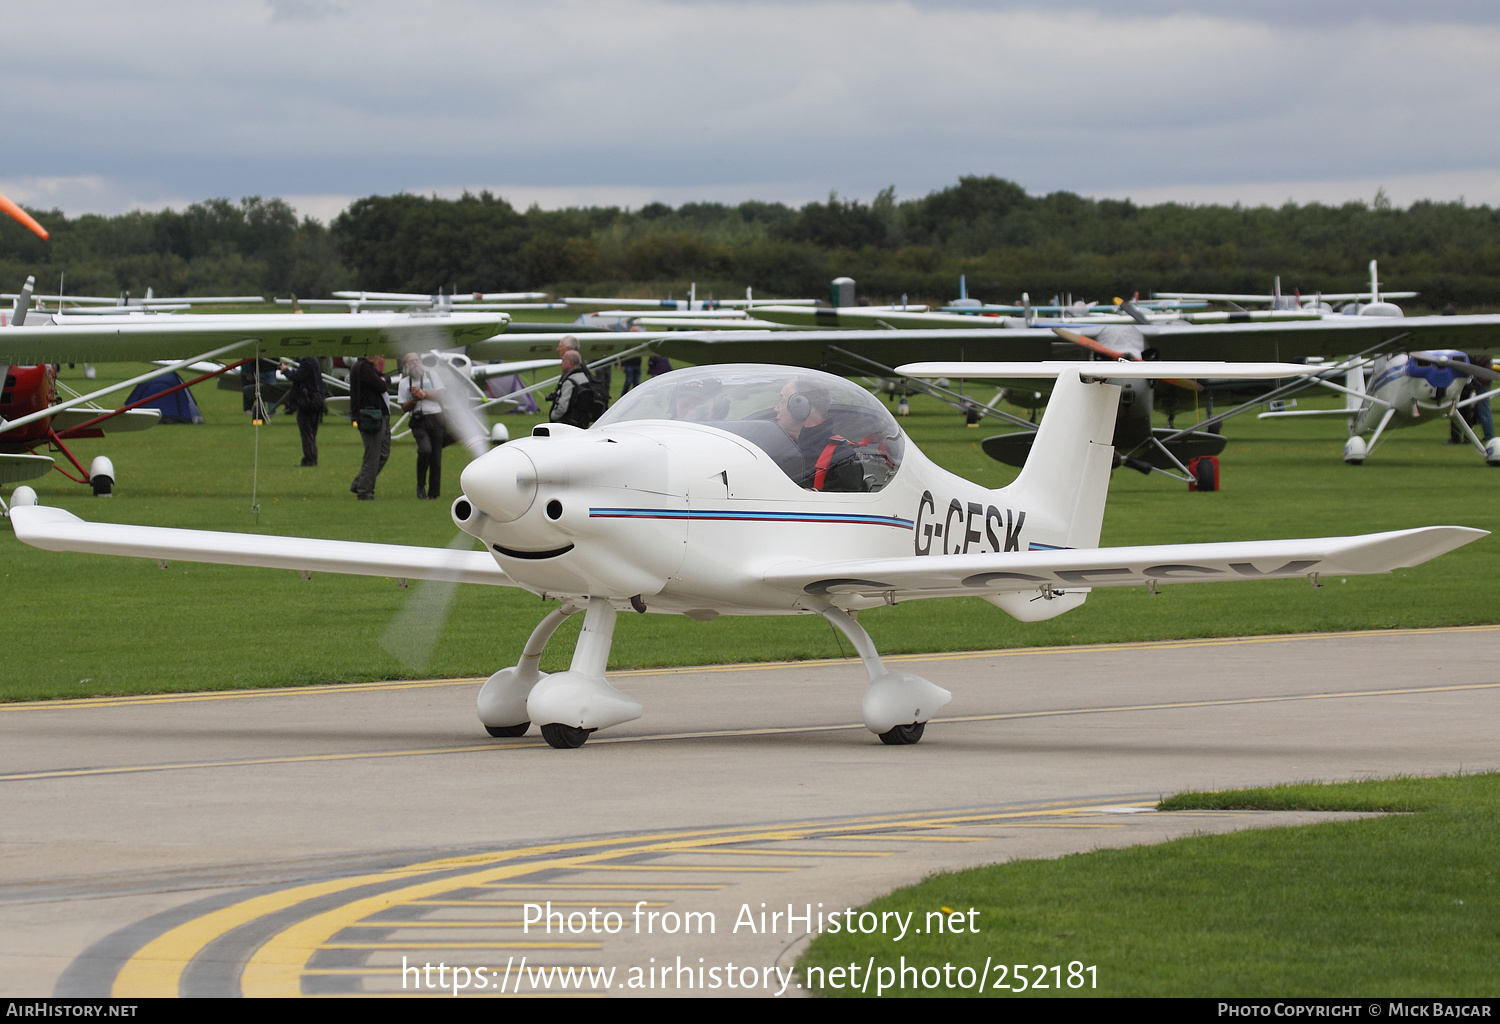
{"points": [[30, 389], [1370, 303], [759, 490], [1405, 389]]}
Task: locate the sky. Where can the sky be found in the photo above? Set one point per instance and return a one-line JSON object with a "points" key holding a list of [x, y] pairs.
{"points": [[624, 102]]}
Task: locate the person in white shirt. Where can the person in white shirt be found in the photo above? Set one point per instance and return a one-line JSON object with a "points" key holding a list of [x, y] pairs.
{"points": [[421, 394]]}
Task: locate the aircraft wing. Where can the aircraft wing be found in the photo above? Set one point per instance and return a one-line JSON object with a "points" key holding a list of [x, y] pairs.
{"points": [[55, 529], [1072, 569], [846, 351], [1236, 297], [1107, 369], [595, 345], [144, 338]]}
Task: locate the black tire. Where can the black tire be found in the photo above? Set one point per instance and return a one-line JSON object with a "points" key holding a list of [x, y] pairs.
{"points": [[902, 735], [564, 737], [1208, 476], [499, 731]]}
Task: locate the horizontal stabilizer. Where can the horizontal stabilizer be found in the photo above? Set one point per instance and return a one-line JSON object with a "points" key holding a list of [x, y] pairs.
{"points": [[1055, 570], [55, 529], [1014, 449], [1109, 370]]}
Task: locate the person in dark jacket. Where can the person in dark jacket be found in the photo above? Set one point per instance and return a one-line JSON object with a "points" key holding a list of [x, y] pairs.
{"points": [[369, 405], [307, 398], [573, 401]]}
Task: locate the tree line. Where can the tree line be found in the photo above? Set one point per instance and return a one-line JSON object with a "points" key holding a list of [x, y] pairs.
{"points": [[1002, 239]]}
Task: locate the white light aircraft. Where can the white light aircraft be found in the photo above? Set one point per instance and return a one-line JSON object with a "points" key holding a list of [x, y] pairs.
{"points": [[1370, 303], [1404, 389], [758, 490]]}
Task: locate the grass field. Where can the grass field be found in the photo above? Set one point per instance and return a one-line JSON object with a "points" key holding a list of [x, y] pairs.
{"points": [[81, 625], [1404, 905]]}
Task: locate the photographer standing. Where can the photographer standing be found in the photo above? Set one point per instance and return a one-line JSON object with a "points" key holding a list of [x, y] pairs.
{"points": [[578, 399], [421, 393]]}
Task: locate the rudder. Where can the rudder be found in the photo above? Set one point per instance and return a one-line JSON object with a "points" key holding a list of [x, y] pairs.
{"points": [[1066, 477]]}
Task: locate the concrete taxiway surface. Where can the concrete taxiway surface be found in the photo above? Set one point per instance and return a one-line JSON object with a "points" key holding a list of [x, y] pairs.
{"points": [[276, 842]]}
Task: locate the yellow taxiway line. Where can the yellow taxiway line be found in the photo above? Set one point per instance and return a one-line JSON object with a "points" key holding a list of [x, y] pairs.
{"points": [[277, 965]]}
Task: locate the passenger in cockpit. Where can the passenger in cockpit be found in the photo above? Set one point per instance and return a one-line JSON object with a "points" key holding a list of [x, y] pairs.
{"points": [[699, 401]]}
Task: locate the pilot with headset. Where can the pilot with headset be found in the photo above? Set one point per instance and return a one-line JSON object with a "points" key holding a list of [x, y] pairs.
{"points": [[802, 413]]}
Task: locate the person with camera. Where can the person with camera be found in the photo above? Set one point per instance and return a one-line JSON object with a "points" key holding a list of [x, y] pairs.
{"points": [[580, 399], [420, 393]]}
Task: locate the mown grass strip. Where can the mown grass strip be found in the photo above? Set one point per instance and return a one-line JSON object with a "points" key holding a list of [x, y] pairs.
{"points": [[1402, 905]]}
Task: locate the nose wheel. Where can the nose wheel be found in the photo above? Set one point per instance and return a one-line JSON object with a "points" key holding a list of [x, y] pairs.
{"points": [[902, 735], [564, 737]]}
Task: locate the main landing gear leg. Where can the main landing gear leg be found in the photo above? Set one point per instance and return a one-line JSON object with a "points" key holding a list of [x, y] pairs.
{"points": [[502, 698], [572, 704], [898, 704]]}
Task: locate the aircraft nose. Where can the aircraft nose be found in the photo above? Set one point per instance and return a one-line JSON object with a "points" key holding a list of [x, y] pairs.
{"points": [[502, 484]]}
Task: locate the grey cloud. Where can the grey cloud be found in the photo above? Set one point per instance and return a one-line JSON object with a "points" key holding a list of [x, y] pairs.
{"points": [[304, 10], [645, 93]]}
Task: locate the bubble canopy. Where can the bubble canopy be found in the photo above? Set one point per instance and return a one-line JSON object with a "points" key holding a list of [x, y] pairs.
{"points": [[824, 432]]}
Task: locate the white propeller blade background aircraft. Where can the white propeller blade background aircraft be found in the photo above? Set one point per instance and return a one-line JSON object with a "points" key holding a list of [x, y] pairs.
{"points": [[758, 490]]}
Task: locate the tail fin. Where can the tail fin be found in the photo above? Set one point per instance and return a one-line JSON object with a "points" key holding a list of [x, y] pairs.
{"points": [[23, 302], [1066, 477]]}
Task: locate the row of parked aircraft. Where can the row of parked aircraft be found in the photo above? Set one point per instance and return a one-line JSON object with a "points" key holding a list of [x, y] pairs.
{"points": [[1404, 386]]}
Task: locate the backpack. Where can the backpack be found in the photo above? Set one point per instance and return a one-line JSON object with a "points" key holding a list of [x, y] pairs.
{"points": [[590, 399]]}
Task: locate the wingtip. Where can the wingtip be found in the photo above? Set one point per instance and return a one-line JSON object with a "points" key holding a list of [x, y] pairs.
{"points": [[27, 520]]}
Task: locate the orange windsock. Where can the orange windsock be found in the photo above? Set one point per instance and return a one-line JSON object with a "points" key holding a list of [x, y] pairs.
{"points": [[22, 216]]}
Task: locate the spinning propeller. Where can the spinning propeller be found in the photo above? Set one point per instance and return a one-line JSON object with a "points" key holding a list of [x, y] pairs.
{"points": [[1459, 366], [1105, 350], [413, 633]]}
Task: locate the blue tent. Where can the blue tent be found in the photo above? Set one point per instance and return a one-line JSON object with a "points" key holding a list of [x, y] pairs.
{"points": [[178, 407]]}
